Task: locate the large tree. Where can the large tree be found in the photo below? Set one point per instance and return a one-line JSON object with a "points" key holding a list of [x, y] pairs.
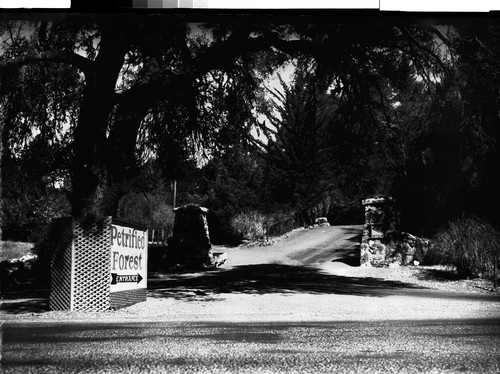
{"points": [[452, 163], [126, 67], [104, 78]]}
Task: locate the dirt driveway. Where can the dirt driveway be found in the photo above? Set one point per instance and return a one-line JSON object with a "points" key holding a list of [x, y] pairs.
{"points": [[315, 246], [299, 278]]}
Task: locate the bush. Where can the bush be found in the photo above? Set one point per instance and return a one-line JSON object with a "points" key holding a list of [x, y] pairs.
{"points": [[249, 225], [470, 245], [11, 250], [20, 262]]}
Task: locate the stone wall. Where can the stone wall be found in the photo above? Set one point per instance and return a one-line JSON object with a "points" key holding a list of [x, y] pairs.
{"points": [[413, 249], [382, 244]]}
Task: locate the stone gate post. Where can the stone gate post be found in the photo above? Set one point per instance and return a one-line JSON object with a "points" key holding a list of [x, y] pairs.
{"points": [[191, 239], [378, 244]]}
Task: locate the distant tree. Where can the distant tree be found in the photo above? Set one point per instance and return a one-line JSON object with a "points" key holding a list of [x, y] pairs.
{"points": [[230, 183], [297, 152], [330, 148]]}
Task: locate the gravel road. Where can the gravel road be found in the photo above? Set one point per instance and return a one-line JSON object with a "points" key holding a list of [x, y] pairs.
{"points": [[456, 346]]}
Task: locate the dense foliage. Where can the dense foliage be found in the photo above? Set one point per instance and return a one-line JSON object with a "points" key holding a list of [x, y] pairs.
{"points": [[101, 114]]}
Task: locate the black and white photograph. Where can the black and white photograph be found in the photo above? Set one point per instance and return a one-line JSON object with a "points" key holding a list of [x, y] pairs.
{"points": [[206, 186]]}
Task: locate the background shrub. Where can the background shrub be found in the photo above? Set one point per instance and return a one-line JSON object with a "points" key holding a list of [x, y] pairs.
{"points": [[469, 244], [149, 210], [249, 225]]}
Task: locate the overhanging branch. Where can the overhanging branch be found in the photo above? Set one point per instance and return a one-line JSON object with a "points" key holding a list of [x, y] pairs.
{"points": [[74, 59], [221, 56], [440, 35], [426, 50]]}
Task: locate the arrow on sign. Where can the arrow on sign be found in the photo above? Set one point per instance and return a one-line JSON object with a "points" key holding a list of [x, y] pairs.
{"points": [[118, 278]]}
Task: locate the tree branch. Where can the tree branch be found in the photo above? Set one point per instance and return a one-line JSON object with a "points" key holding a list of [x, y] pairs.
{"points": [[220, 56], [440, 35], [74, 59], [418, 45], [314, 49]]}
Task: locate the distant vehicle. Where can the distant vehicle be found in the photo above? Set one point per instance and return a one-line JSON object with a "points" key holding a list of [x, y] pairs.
{"points": [[321, 221]]}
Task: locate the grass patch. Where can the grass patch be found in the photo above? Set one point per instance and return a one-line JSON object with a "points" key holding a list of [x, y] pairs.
{"points": [[11, 250], [469, 244]]}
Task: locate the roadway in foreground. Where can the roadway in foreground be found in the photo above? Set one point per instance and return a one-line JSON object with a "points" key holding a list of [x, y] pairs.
{"points": [[449, 346]]}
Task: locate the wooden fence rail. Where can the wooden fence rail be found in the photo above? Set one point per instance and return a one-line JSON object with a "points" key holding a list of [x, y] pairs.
{"points": [[158, 236]]}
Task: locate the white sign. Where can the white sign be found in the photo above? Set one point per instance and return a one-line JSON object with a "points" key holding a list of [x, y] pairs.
{"points": [[129, 258]]}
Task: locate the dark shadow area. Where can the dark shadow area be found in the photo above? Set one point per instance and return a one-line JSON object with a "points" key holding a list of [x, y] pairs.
{"points": [[16, 335], [346, 253], [25, 298], [156, 254], [350, 260], [357, 233], [349, 254], [356, 238], [38, 305], [314, 255], [269, 278], [439, 275]]}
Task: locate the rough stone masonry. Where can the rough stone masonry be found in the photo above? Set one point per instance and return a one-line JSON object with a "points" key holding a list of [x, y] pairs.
{"points": [[382, 243]]}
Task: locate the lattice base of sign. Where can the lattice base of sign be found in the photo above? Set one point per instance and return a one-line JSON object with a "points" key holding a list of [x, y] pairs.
{"points": [[126, 298], [61, 240], [81, 263]]}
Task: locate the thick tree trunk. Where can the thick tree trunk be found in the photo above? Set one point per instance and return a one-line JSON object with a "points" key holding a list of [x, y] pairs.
{"points": [[89, 165], [88, 159], [120, 158], [105, 174]]}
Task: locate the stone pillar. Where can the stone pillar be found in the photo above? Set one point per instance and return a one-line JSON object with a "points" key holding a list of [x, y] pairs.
{"points": [[378, 246], [190, 245]]}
